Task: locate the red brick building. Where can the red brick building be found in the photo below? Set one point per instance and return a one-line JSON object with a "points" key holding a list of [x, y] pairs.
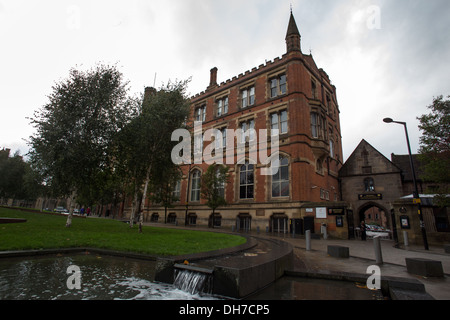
{"points": [[290, 94]]}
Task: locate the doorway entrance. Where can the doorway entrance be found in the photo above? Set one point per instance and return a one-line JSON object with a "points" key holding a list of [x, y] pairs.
{"points": [[296, 226], [374, 214], [244, 222], [279, 223], [308, 223]]}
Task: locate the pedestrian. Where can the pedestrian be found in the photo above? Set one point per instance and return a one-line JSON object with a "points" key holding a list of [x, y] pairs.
{"points": [[88, 211], [363, 231]]}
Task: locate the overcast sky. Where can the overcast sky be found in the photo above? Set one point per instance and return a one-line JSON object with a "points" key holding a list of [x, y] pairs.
{"points": [[387, 58]]}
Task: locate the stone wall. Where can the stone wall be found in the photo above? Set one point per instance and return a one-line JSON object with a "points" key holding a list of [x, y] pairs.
{"points": [[407, 219]]}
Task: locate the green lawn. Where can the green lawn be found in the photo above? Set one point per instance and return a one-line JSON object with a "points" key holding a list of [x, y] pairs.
{"points": [[43, 231]]}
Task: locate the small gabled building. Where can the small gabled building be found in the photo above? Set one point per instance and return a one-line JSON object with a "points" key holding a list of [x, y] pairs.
{"points": [[379, 191], [370, 183]]}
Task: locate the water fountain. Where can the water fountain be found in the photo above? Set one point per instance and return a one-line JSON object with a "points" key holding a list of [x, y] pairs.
{"points": [[102, 278], [192, 279], [234, 275]]}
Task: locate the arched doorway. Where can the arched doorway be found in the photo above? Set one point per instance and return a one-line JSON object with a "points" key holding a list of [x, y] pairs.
{"points": [[374, 214]]}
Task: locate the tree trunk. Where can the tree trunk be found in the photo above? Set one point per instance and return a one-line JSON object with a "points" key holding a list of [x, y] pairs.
{"points": [[134, 205], [43, 204], [144, 199], [69, 218]]}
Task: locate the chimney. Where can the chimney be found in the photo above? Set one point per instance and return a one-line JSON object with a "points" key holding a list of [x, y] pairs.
{"points": [[148, 92], [213, 79]]}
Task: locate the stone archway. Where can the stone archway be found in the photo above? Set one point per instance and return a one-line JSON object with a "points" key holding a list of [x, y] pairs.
{"points": [[373, 213]]}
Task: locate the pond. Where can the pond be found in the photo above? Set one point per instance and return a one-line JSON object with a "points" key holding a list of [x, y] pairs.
{"points": [[101, 278], [114, 278]]}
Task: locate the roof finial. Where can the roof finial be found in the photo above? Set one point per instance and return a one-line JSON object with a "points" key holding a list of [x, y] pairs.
{"points": [[291, 7]]}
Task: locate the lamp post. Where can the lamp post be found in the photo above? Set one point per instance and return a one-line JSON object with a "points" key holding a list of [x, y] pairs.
{"points": [[416, 190]]}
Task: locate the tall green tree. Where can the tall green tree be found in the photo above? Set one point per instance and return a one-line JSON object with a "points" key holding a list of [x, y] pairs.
{"points": [[12, 171], [435, 147], [18, 179], [163, 185], [145, 144], [72, 145], [213, 187]]}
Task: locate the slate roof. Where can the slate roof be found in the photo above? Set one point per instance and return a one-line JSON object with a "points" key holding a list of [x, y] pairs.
{"points": [[402, 161]]}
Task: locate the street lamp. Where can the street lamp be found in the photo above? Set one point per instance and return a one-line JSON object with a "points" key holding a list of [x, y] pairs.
{"points": [[416, 190]]}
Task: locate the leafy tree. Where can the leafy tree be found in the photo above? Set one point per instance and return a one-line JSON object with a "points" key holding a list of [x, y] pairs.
{"points": [[145, 143], [163, 186], [18, 179], [12, 170], [72, 145], [435, 147], [213, 185]]}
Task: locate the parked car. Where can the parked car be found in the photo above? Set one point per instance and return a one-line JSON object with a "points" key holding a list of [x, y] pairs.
{"points": [[377, 231], [61, 210], [375, 228]]}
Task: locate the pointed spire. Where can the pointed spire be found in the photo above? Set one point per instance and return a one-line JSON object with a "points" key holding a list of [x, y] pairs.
{"points": [[293, 35], [292, 28]]}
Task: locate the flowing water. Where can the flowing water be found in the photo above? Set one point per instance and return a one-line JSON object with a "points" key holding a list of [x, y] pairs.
{"points": [[101, 278], [113, 278], [193, 282]]}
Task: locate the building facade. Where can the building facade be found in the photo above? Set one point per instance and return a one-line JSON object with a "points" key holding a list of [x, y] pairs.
{"points": [[379, 192], [293, 100], [370, 183]]}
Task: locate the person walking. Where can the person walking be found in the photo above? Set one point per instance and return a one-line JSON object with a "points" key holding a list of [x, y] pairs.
{"points": [[363, 231]]}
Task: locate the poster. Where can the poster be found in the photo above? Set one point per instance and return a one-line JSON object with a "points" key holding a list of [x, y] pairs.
{"points": [[321, 213]]}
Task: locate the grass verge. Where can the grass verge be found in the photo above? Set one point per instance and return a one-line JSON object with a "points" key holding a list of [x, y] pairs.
{"points": [[43, 231]]}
